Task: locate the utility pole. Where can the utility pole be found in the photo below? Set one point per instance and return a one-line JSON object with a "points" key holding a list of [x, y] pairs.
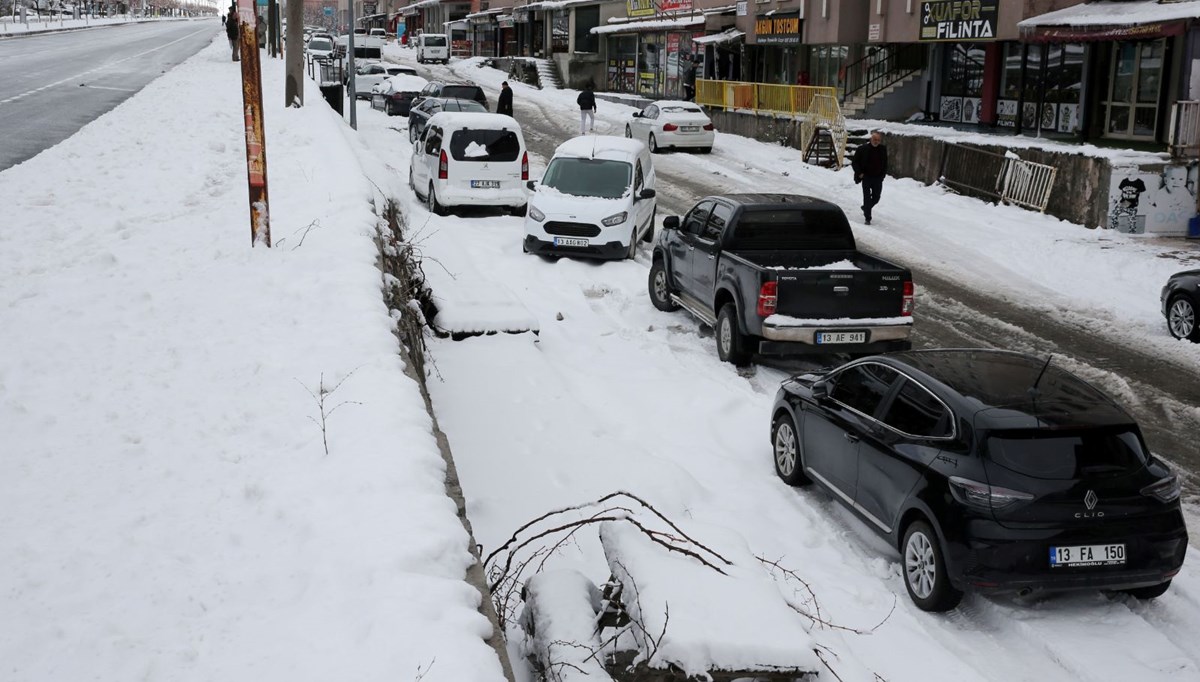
{"points": [[350, 65], [293, 56]]}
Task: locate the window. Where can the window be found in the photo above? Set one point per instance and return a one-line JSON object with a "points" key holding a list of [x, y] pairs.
{"points": [[604, 178], [433, 141], [464, 92], [863, 387], [717, 221], [693, 223], [916, 412], [795, 229], [1064, 456], [650, 112], [484, 145], [637, 177], [587, 18]]}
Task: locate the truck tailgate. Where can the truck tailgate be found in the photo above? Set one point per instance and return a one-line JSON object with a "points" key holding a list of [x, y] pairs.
{"points": [[832, 294]]}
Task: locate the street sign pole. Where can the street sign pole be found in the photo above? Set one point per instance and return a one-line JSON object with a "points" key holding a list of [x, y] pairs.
{"points": [[256, 144], [350, 65]]}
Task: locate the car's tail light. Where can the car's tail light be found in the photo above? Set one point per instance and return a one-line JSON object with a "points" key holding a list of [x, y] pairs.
{"points": [[525, 166], [983, 496], [768, 297], [670, 127], [906, 307], [1166, 490], [443, 166], [709, 126]]}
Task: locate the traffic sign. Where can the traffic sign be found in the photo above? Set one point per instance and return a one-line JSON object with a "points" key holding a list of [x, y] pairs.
{"points": [[328, 11]]}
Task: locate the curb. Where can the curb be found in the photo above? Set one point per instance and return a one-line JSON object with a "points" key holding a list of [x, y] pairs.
{"points": [[66, 29]]}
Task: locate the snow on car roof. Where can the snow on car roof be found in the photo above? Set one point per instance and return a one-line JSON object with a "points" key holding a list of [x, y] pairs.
{"points": [[667, 104], [474, 119], [407, 83], [600, 147]]}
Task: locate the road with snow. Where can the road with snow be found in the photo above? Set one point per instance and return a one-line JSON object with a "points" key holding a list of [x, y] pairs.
{"points": [[53, 84]]}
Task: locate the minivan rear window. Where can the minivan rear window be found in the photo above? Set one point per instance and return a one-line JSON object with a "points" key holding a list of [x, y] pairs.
{"points": [[793, 229], [435, 41], [1062, 456], [484, 145]]}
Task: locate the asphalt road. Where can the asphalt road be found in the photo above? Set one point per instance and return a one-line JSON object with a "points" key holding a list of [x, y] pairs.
{"points": [[51, 85]]}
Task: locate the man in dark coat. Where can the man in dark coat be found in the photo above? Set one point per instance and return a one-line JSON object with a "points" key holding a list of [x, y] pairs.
{"points": [[587, 110], [504, 103], [870, 167], [231, 32]]}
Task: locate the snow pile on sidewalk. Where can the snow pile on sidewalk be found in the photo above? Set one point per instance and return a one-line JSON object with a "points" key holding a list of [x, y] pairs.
{"points": [[168, 508], [49, 25]]}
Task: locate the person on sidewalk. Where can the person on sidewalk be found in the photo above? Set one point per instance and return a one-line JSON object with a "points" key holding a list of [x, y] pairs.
{"points": [[870, 167], [260, 30], [587, 110], [504, 104], [231, 32]]}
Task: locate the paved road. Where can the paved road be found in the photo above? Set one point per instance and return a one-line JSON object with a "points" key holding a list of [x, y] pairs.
{"points": [[54, 84]]}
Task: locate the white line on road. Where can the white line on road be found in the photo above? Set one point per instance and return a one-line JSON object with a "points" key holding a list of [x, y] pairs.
{"points": [[105, 87], [99, 68]]}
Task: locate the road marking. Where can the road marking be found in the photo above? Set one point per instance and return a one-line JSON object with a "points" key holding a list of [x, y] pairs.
{"points": [[99, 68], [105, 87]]}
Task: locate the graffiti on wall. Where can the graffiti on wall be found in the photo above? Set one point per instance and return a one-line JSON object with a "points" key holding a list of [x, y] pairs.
{"points": [[1143, 201]]}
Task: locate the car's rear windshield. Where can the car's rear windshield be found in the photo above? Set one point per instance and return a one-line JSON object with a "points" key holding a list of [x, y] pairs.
{"points": [[462, 105], [462, 91], [792, 229], [484, 145], [681, 109], [605, 178], [1060, 456], [320, 45], [435, 41]]}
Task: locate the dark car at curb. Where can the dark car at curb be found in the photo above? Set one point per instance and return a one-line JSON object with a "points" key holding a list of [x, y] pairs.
{"points": [[989, 471], [1180, 298], [420, 111]]}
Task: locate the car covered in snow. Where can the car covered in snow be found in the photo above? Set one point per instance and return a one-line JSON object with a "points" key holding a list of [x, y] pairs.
{"points": [[366, 79], [470, 159], [988, 470], [1180, 298], [395, 95], [596, 200], [670, 124]]}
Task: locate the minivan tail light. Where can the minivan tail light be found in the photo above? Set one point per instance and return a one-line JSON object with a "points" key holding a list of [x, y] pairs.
{"points": [[525, 166], [443, 166], [985, 497], [670, 127], [1166, 490], [906, 306], [768, 298]]}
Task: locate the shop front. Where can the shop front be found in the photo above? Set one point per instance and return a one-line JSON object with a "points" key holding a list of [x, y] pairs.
{"points": [[483, 33], [772, 48], [653, 58]]}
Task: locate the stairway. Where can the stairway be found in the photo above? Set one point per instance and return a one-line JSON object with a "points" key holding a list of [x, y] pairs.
{"points": [[855, 105], [548, 76], [855, 138], [821, 150]]}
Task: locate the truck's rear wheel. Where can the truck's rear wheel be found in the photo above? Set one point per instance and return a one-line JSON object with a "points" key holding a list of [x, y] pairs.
{"points": [[731, 343]]}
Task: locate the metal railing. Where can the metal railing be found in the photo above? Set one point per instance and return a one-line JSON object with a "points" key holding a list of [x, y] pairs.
{"points": [[881, 67], [759, 97], [1185, 129], [999, 177]]}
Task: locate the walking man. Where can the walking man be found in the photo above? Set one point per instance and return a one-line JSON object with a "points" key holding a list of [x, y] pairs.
{"points": [[231, 32], [504, 103], [587, 110], [870, 166]]}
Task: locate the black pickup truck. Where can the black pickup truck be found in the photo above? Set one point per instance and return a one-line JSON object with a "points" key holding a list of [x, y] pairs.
{"points": [[779, 274]]}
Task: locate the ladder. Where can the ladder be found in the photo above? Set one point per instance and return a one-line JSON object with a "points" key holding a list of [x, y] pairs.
{"points": [[821, 150]]}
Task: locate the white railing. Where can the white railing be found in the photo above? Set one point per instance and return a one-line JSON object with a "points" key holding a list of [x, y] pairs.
{"points": [[998, 177], [1185, 129], [1027, 184]]}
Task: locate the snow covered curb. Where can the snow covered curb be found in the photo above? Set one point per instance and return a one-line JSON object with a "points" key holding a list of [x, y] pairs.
{"points": [[10, 30]]}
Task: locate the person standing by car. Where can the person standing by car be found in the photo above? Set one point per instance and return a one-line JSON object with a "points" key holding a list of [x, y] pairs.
{"points": [[587, 110], [231, 31], [870, 167], [504, 103]]}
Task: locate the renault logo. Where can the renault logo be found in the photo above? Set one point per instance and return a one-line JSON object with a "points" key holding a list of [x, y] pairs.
{"points": [[1090, 500]]}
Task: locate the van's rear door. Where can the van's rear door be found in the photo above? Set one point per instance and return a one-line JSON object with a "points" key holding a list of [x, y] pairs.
{"points": [[485, 159]]}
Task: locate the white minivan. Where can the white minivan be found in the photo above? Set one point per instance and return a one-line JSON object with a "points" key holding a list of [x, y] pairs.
{"points": [[470, 159], [596, 200], [433, 47]]}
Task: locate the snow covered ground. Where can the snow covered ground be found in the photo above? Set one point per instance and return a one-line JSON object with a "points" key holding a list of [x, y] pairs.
{"points": [[44, 24]]}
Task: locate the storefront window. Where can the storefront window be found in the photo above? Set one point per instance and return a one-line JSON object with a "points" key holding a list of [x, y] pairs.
{"points": [[1135, 82], [650, 66], [560, 31], [586, 18], [622, 63], [962, 87], [825, 64]]}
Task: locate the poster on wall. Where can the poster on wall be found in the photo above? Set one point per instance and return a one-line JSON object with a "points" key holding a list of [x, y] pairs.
{"points": [[959, 21], [970, 109], [1068, 118], [951, 109], [639, 8], [1049, 116], [1006, 113], [1029, 116], [1145, 201]]}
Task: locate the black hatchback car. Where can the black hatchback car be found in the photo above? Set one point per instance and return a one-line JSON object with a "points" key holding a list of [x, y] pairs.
{"points": [[419, 113], [1180, 298], [988, 471]]}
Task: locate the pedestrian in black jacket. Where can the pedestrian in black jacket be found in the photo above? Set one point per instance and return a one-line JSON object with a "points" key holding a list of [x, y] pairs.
{"points": [[231, 32], [504, 103], [587, 110], [870, 167]]}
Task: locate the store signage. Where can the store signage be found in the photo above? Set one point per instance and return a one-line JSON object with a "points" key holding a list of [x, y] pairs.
{"points": [[675, 5], [741, 8], [874, 32], [640, 8], [1072, 34], [369, 7], [778, 29], [959, 20]]}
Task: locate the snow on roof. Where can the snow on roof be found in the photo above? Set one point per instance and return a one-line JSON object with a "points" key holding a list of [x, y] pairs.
{"points": [[474, 119], [633, 26], [728, 35], [405, 82], [421, 3], [600, 147], [1116, 14]]}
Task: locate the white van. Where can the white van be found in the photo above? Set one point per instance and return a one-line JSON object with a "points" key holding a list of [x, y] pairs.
{"points": [[596, 200], [470, 159], [433, 47]]}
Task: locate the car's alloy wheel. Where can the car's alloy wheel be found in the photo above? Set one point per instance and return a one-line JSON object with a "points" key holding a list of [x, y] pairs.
{"points": [[919, 568], [925, 571], [788, 463], [432, 204], [731, 345], [660, 289], [1181, 318], [652, 144]]}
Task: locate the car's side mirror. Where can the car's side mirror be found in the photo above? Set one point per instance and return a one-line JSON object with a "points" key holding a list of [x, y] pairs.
{"points": [[820, 390], [671, 222], [637, 114], [532, 185], [648, 193]]}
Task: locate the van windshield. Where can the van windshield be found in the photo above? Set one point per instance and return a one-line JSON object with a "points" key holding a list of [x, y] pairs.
{"points": [[434, 41], [603, 178], [484, 145], [1063, 456]]}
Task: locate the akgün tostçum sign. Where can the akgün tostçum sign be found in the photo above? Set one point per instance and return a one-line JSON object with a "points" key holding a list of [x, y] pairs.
{"points": [[959, 19], [777, 29]]}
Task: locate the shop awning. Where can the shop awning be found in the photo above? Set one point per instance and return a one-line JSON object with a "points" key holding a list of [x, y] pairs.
{"points": [[1111, 21], [726, 36], [651, 25], [409, 10], [485, 16]]}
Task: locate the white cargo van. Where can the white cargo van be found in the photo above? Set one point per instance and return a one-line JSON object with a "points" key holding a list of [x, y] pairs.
{"points": [[470, 159], [433, 47]]}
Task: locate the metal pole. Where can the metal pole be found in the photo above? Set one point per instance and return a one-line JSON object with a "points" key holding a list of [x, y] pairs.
{"points": [[350, 65], [293, 56], [272, 27]]}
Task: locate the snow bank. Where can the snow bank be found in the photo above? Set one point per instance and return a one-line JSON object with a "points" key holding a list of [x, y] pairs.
{"points": [[560, 611]]}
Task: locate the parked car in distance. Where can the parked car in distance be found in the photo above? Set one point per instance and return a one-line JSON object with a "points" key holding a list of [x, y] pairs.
{"points": [[596, 200], [394, 95], [672, 124], [366, 79], [380, 33], [455, 89], [421, 110], [433, 47], [319, 48], [988, 471], [780, 274], [1180, 299], [365, 45], [470, 159]]}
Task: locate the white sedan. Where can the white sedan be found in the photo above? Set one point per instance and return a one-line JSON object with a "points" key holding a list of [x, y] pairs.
{"points": [[670, 123], [366, 78]]}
